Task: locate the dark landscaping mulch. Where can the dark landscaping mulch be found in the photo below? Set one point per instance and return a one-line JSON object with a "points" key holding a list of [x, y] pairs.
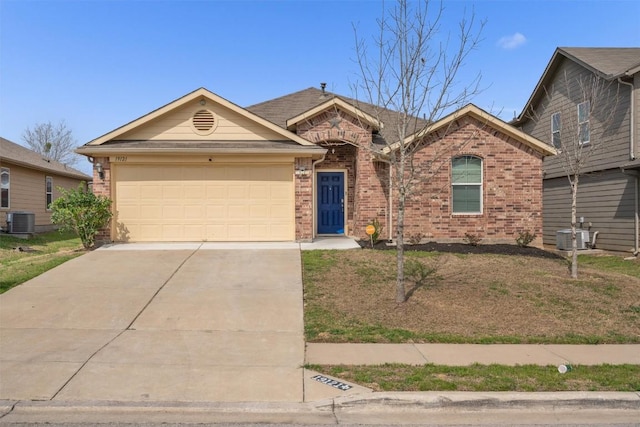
{"points": [[463, 248]]}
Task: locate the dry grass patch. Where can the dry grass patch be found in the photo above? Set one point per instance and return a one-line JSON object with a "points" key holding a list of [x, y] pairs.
{"points": [[349, 297]]}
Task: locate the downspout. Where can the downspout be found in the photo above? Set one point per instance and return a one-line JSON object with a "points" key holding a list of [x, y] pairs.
{"points": [[313, 192], [632, 154], [390, 202], [635, 174], [636, 178]]}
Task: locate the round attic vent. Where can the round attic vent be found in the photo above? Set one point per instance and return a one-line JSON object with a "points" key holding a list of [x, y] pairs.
{"points": [[204, 122]]}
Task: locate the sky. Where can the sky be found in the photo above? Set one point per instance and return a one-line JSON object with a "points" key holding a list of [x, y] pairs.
{"points": [[98, 65]]}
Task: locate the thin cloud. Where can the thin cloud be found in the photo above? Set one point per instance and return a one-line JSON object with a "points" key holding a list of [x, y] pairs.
{"points": [[511, 42]]}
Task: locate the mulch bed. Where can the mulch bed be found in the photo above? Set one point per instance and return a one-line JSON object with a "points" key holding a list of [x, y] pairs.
{"points": [[463, 248]]}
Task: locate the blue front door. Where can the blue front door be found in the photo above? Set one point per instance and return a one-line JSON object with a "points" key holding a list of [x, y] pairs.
{"points": [[330, 202]]}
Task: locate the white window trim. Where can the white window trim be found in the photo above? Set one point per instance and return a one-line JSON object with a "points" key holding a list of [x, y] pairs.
{"points": [[558, 131], [8, 171], [481, 185], [47, 192], [586, 121]]}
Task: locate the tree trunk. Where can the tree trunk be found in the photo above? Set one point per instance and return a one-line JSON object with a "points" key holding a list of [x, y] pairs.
{"points": [[400, 292], [574, 237]]}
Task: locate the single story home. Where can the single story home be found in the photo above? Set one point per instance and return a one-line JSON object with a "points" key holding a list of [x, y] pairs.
{"points": [[29, 182], [309, 164]]}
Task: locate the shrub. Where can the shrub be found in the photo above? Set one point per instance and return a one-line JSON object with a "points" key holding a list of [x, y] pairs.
{"points": [[472, 239], [415, 239], [376, 234], [524, 238], [81, 211]]}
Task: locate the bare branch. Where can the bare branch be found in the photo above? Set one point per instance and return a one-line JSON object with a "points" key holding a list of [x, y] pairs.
{"points": [[53, 142]]}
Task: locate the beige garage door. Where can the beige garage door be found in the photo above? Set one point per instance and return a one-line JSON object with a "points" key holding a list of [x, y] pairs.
{"points": [[248, 202]]}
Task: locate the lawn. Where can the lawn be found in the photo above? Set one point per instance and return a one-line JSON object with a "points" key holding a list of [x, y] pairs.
{"points": [[24, 259], [525, 378], [470, 298]]}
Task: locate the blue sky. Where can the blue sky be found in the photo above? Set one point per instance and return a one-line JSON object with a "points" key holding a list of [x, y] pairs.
{"points": [[100, 64]]}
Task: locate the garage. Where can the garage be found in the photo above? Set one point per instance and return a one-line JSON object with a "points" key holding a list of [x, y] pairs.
{"points": [[209, 202]]}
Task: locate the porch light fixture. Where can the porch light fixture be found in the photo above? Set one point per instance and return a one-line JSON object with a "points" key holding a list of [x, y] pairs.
{"points": [[100, 170]]}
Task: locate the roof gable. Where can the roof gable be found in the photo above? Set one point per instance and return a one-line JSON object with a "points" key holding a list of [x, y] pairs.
{"points": [[13, 153], [484, 117], [284, 108], [608, 63], [141, 126], [334, 103]]}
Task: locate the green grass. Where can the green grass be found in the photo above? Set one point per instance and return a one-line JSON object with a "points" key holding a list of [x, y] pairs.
{"points": [[611, 263], [326, 273], [521, 378], [49, 250]]}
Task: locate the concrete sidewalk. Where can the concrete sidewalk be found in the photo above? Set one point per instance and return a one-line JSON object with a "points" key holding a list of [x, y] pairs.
{"points": [[468, 354]]}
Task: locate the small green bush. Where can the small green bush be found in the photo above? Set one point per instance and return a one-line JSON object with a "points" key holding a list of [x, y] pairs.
{"points": [[524, 238], [472, 239], [81, 211]]}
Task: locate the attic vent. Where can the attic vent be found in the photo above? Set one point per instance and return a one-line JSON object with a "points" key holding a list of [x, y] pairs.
{"points": [[204, 122]]}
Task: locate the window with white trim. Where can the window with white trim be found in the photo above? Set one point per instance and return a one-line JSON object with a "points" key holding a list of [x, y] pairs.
{"points": [[48, 188], [556, 126], [584, 134], [5, 186], [466, 185]]}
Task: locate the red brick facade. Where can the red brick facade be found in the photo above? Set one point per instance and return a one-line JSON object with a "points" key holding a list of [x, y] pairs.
{"points": [[102, 187], [511, 186]]}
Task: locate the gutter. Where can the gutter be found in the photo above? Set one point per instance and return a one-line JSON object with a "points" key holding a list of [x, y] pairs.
{"points": [[222, 150], [636, 174], [632, 154]]}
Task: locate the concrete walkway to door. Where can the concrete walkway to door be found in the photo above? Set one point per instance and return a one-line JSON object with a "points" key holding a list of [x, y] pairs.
{"points": [[165, 323]]}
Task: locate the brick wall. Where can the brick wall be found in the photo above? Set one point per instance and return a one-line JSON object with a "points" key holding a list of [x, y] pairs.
{"points": [[102, 187], [511, 194], [304, 199]]}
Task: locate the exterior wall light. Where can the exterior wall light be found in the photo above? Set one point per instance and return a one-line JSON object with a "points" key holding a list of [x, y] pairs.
{"points": [[100, 170]]}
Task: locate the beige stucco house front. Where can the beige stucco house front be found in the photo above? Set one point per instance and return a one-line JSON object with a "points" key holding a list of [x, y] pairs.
{"points": [[307, 164]]}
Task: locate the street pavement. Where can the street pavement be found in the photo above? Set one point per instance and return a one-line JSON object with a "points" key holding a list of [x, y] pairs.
{"points": [[204, 331]]}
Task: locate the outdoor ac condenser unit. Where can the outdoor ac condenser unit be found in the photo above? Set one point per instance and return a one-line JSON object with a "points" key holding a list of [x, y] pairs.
{"points": [[563, 239], [21, 222]]}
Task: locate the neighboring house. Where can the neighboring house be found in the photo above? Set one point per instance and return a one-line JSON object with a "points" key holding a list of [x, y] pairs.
{"points": [[29, 182], [608, 194], [308, 164]]}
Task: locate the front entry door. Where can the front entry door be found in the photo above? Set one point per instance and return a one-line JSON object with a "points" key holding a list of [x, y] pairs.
{"points": [[330, 202]]}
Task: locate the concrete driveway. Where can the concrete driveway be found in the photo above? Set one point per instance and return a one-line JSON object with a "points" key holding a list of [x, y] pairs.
{"points": [[181, 323]]}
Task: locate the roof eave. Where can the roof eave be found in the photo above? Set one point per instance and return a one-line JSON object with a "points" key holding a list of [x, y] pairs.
{"points": [[70, 174], [198, 93], [335, 101], [483, 116], [314, 152]]}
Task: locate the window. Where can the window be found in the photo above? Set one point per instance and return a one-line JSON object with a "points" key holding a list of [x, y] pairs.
{"points": [[556, 125], [48, 191], [583, 122], [466, 183], [5, 184]]}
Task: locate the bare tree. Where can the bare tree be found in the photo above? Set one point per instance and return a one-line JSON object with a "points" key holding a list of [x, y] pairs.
{"points": [[579, 126], [414, 72], [54, 142]]}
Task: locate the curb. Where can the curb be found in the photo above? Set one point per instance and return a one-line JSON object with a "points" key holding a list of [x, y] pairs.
{"points": [[399, 407]]}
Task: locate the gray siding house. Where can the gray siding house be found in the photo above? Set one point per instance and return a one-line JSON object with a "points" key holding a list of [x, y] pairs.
{"points": [[608, 193]]}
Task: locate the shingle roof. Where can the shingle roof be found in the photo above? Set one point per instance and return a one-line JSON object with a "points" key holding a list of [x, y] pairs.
{"points": [[612, 62], [11, 152], [607, 62], [279, 110]]}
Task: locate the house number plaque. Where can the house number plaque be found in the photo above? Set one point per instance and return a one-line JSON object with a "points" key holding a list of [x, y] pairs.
{"points": [[333, 383]]}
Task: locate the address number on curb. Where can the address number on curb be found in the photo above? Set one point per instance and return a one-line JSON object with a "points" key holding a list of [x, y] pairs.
{"points": [[333, 383]]}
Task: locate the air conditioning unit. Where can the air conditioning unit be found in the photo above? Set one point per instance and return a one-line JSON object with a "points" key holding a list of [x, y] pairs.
{"points": [[21, 222], [563, 239]]}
